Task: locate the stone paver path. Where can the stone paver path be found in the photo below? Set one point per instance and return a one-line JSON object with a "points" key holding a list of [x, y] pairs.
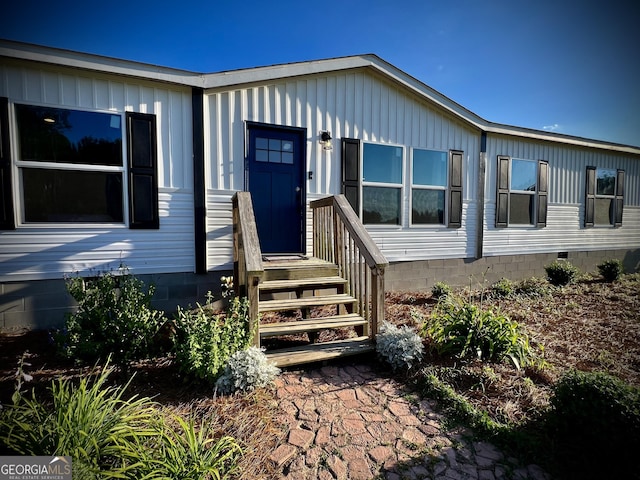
{"points": [[349, 423]]}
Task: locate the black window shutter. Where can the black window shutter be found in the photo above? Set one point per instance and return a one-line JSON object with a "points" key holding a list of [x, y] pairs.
{"points": [[619, 203], [502, 192], [143, 171], [590, 197], [542, 192], [351, 172], [6, 192], [455, 189]]}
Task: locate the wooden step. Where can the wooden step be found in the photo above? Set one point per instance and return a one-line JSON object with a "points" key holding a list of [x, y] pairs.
{"points": [[298, 269], [305, 302], [311, 325], [320, 351], [327, 282]]}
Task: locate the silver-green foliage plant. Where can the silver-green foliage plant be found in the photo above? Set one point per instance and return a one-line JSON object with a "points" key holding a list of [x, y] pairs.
{"points": [[463, 329], [247, 370], [401, 347], [109, 436], [204, 341], [114, 318]]}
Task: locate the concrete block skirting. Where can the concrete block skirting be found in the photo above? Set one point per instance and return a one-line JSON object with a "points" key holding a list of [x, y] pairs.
{"points": [[423, 274], [43, 304]]}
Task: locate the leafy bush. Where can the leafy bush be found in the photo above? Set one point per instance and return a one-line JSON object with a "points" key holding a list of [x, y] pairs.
{"points": [[401, 347], [246, 370], [109, 437], [440, 290], [611, 270], [465, 330], [596, 417], [203, 341], [502, 288], [114, 318], [532, 287], [561, 272]]}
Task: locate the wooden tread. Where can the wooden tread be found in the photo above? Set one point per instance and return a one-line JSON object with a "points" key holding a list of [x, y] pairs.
{"points": [[304, 302], [320, 351], [311, 325], [305, 282]]}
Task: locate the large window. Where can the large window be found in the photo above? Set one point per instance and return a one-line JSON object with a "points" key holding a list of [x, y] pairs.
{"points": [[70, 164], [382, 167], [429, 170], [604, 196], [71, 167], [522, 192], [374, 183]]}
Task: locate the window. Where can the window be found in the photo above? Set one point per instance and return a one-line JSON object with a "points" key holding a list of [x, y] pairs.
{"points": [[71, 167], [382, 184], [522, 192], [374, 184], [604, 197], [428, 186]]}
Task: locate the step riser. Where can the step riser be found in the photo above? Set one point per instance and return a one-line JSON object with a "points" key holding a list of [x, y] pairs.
{"points": [[297, 273]]}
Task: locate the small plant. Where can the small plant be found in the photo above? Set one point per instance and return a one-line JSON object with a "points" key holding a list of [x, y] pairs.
{"points": [[226, 285], [114, 318], [596, 416], [533, 287], [440, 290], [203, 341], [247, 370], [561, 273], [401, 347], [465, 330], [611, 270], [502, 288]]}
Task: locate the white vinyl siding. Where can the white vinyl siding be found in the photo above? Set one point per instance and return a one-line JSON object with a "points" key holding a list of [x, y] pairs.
{"points": [[31, 253]]}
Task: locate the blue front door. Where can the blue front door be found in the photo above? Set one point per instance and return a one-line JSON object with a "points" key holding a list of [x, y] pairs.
{"points": [[275, 180]]}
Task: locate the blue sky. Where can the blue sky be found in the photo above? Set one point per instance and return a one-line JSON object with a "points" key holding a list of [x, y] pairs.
{"points": [[569, 67]]}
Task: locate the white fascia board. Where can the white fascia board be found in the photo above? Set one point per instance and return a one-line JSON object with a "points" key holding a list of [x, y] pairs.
{"points": [[97, 63]]}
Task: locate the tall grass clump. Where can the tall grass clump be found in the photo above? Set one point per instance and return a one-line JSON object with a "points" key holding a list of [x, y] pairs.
{"points": [[204, 341], [462, 329], [109, 436], [114, 318]]}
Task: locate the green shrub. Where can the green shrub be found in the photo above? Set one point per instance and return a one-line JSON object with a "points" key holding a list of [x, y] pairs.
{"points": [[246, 370], [400, 347], [440, 290], [596, 420], [465, 330], [110, 437], [203, 342], [611, 270], [114, 318], [561, 272], [502, 288], [532, 287]]}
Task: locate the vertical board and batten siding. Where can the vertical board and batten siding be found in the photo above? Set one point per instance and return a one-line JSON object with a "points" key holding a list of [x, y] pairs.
{"points": [[565, 216], [353, 104], [33, 252]]}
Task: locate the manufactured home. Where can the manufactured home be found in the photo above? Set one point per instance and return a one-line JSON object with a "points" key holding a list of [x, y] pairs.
{"points": [[108, 162]]}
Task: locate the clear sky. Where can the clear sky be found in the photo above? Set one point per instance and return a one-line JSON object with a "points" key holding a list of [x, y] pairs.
{"points": [[571, 67]]}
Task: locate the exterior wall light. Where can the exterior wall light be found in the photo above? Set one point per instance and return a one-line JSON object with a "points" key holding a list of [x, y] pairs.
{"points": [[325, 140]]}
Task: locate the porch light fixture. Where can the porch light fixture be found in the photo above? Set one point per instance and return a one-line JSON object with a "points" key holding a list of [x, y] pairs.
{"points": [[325, 140]]}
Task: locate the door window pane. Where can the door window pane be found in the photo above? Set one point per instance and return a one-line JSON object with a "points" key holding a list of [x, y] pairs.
{"points": [[382, 163], [72, 196], [429, 167], [59, 135], [381, 205], [427, 206]]}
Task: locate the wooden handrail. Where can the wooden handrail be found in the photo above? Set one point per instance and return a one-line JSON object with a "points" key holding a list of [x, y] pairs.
{"points": [[340, 237], [247, 257]]}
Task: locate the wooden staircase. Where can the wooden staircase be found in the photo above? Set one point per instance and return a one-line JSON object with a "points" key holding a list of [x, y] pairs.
{"points": [[294, 299]]}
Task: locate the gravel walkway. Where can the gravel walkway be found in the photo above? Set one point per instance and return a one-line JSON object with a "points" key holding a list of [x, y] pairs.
{"points": [[350, 423]]}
